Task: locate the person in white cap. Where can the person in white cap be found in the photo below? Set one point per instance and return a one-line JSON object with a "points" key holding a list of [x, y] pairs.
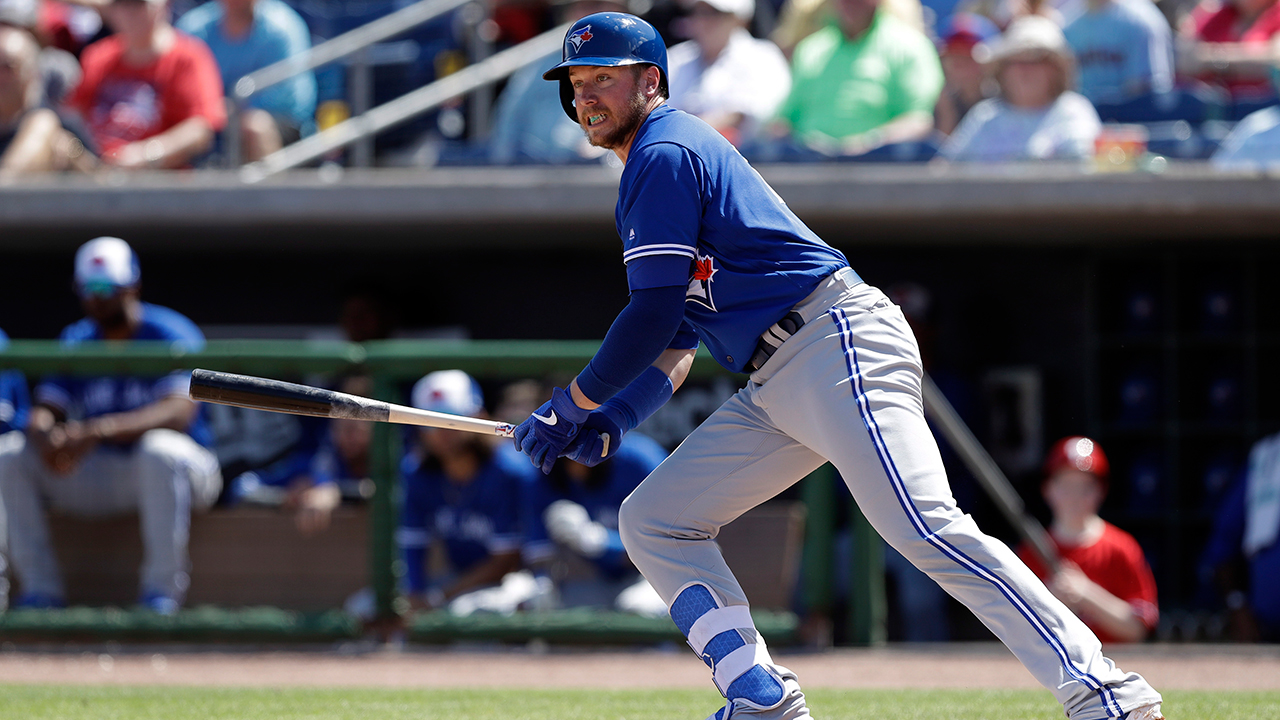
{"points": [[107, 445], [461, 493], [1036, 115], [723, 75]]}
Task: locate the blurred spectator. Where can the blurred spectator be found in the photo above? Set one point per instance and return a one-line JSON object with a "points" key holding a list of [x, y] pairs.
{"points": [[106, 445], [31, 136], [529, 123], [1104, 577], [1254, 143], [868, 80], [59, 69], [1036, 116], [1231, 45], [248, 35], [802, 18], [343, 457], [1124, 48], [1243, 555], [571, 529], [152, 96], [462, 494], [965, 82], [723, 75]]}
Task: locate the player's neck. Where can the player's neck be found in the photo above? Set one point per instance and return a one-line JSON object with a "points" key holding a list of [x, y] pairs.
{"points": [[1077, 532], [624, 150], [143, 51]]}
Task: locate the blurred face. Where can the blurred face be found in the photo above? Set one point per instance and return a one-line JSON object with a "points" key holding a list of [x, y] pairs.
{"points": [[1030, 80], [960, 69], [105, 304], [1073, 494], [351, 438], [609, 102], [709, 26], [134, 19], [443, 443], [855, 15]]}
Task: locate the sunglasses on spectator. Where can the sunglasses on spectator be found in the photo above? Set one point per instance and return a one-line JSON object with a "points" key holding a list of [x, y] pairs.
{"points": [[102, 289]]}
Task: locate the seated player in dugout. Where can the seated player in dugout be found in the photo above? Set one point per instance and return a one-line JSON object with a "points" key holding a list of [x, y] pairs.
{"points": [[462, 494], [1104, 578], [570, 520]]}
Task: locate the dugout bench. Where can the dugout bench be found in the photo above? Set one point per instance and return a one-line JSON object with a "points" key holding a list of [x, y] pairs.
{"points": [[255, 577]]}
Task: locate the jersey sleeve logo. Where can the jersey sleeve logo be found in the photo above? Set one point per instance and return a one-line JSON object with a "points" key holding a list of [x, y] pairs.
{"points": [[704, 271], [579, 37]]}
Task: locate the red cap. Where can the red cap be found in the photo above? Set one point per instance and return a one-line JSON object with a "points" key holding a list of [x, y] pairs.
{"points": [[1078, 453]]}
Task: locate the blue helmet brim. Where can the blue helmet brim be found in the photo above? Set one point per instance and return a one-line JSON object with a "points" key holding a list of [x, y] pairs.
{"points": [[561, 71]]}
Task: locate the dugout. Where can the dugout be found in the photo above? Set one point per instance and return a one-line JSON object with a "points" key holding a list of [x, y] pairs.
{"points": [[1036, 269]]}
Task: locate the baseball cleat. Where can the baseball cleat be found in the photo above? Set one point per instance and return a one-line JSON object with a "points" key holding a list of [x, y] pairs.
{"points": [[1146, 712]]}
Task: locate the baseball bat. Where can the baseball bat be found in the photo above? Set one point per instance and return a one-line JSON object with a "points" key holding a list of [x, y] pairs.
{"points": [[258, 393], [989, 475]]}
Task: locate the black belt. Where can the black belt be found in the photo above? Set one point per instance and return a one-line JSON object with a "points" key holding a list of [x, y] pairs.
{"points": [[773, 338]]}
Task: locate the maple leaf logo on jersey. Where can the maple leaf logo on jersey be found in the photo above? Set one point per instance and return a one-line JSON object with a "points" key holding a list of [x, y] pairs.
{"points": [[704, 271], [579, 37]]}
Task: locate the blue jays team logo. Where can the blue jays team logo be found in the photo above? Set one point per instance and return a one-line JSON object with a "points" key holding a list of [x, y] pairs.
{"points": [[704, 270], [579, 37]]}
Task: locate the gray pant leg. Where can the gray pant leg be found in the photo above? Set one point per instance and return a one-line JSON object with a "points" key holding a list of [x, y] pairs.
{"points": [[22, 474], [173, 475], [851, 391]]}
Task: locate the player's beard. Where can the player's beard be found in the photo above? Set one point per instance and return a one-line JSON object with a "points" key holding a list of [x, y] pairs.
{"points": [[629, 120]]}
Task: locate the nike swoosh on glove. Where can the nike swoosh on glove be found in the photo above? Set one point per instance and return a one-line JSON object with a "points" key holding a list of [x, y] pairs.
{"points": [[549, 430], [598, 440]]}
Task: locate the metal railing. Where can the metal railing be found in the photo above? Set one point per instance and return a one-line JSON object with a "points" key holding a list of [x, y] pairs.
{"points": [[355, 42], [406, 107]]}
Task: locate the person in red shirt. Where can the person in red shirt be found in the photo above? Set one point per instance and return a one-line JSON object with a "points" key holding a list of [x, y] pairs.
{"points": [[1104, 577], [151, 96], [1233, 45]]}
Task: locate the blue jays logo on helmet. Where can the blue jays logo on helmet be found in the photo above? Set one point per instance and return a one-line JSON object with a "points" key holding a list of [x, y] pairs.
{"points": [[608, 39], [577, 37]]}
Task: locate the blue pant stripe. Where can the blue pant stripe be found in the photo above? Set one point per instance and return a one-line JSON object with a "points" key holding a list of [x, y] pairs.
{"points": [[917, 521], [721, 645]]}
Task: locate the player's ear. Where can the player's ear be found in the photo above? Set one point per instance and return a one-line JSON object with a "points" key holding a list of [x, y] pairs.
{"points": [[652, 80]]}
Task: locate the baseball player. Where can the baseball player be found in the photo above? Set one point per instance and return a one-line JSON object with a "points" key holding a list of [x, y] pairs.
{"points": [[714, 255], [114, 444]]}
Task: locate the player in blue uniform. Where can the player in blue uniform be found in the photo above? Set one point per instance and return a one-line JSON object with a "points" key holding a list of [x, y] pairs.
{"points": [[713, 254], [460, 492], [574, 511], [15, 402], [114, 444]]}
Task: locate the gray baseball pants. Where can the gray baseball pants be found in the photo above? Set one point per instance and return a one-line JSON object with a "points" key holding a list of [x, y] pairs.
{"points": [[846, 388], [163, 477]]}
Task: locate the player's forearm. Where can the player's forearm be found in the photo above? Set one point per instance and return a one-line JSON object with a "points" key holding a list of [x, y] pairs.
{"points": [[32, 148], [172, 413], [1112, 613], [638, 337], [489, 572]]}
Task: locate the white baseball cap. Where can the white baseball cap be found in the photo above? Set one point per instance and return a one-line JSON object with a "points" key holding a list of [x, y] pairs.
{"points": [[107, 261], [21, 13], [1029, 33], [448, 391], [744, 9]]}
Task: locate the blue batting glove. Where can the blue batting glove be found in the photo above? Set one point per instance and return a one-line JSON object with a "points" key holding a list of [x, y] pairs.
{"points": [[598, 440], [550, 429]]}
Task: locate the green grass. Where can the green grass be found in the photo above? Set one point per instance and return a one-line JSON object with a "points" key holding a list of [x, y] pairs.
{"points": [[39, 702]]}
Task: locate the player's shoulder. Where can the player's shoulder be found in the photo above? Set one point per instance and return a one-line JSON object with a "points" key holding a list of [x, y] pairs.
{"points": [[199, 21], [674, 137], [79, 331], [168, 324], [279, 15], [1119, 539]]}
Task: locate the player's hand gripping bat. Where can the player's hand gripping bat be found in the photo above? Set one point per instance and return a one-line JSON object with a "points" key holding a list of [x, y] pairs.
{"points": [[262, 394]]}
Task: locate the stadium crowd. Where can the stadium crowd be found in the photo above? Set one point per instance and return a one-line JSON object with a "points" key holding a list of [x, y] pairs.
{"points": [[87, 84]]}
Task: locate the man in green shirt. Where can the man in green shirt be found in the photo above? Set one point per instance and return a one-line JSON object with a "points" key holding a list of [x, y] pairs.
{"points": [[869, 79]]}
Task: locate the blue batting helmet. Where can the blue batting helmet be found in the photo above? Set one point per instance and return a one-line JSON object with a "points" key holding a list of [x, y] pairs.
{"points": [[608, 39]]}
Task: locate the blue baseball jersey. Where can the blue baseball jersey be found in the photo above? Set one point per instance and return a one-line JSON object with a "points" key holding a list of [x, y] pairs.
{"points": [[474, 521], [613, 481], [686, 192], [88, 397], [1123, 49], [14, 400]]}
